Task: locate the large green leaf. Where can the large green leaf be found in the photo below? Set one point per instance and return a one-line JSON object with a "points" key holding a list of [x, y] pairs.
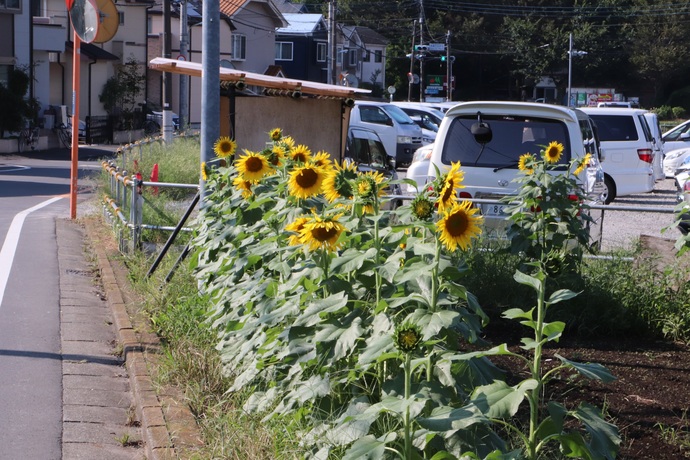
{"points": [[433, 322], [561, 295], [376, 348], [528, 280], [498, 400], [369, 448], [351, 260], [330, 304], [593, 371], [448, 418], [605, 438]]}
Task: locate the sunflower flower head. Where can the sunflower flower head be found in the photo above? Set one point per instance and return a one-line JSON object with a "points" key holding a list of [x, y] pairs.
{"points": [[300, 153], [296, 227], [276, 155], [583, 163], [449, 185], [552, 153], [322, 159], [338, 181], [459, 226], [368, 189], [526, 163], [225, 147], [204, 172], [322, 232], [243, 185], [422, 207], [275, 134], [407, 337], [253, 166], [305, 180]]}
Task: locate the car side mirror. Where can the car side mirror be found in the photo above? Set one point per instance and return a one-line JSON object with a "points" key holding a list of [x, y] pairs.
{"points": [[391, 163], [602, 154], [684, 136]]}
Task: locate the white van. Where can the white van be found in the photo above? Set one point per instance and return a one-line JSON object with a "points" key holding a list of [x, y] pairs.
{"points": [[400, 135], [657, 145], [488, 138], [626, 144]]}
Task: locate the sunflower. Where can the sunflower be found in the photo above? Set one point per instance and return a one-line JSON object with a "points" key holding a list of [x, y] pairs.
{"points": [[276, 155], [296, 227], [243, 185], [407, 337], [322, 232], [459, 225], [338, 181], [301, 153], [253, 166], [450, 183], [422, 207], [275, 134], [322, 159], [305, 180], [204, 173], [225, 147], [583, 164], [368, 188], [553, 152], [288, 142], [525, 163]]}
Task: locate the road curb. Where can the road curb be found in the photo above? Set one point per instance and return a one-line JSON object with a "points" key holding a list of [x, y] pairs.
{"points": [[158, 441]]}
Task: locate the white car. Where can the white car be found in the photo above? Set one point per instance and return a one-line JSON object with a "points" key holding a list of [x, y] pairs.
{"points": [[418, 169], [677, 137], [683, 185], [428, 118], [673, 159]]}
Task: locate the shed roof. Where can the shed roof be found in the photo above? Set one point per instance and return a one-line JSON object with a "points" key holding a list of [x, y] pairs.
{"points": [[267, 81]]}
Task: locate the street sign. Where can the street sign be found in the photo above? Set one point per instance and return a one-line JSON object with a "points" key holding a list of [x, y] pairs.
{"points": [[437, 46]]}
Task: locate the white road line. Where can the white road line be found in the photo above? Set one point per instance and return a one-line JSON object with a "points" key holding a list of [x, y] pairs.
{"points": [[9, 247]]}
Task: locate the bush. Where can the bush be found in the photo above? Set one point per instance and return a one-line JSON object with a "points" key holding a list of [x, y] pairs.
{"points": [[664, 112], [680, 98], [679, 112]]}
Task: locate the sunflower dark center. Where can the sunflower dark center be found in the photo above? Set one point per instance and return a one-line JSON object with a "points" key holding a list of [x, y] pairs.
{"points": [[254, 164], [322, 234], [300, 157], [449, 190], [307, 178], [456, 224]]}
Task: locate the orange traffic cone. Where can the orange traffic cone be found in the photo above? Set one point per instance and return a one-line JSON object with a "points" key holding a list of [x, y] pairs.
{"points": [[154, 177]]}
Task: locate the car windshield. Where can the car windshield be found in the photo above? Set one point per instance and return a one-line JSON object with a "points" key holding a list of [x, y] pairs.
{"points": [[511, 137], [398, 115]]}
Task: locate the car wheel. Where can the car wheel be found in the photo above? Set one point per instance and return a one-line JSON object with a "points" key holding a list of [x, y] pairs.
{"points": [[610, 189]]}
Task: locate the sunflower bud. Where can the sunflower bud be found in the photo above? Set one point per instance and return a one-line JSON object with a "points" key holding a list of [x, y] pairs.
{"points": [[407, 337]]}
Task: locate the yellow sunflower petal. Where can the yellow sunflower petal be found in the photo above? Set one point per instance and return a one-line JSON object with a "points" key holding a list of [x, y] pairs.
{"points": [[459, 225], [225, 147]]}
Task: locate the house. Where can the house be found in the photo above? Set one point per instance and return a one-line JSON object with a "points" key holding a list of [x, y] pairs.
{"points": [[361, 56], [302, 47], [247, 42]]}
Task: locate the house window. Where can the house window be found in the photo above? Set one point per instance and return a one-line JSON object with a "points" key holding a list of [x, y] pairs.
{"points": [[321, 53], [239, 47], [284, 51], [121, 16], [4, 74], [149, 25], [352, 55], [339, 58], [10, 5], [366, 56], [378, 56]]}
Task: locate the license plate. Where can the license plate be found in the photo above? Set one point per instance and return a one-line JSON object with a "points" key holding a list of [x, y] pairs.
{"points": [[493, 209]]}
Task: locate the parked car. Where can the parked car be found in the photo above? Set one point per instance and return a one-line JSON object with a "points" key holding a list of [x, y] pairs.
{"points": [[673, 159], [400, 135], [677, 137], [682, 179], [490, 160], [365, 148], [626, 144], [657, 144], [428, 118]]}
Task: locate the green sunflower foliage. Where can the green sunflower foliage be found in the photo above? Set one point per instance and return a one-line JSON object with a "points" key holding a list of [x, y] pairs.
{"points": [[342, 315]]}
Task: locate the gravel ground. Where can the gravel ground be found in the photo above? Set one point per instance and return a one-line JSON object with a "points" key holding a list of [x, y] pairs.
{"points": [[623, 228]]}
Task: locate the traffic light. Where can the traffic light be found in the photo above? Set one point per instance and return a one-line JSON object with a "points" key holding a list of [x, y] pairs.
{"points": [[443, 59], [422, 48]]}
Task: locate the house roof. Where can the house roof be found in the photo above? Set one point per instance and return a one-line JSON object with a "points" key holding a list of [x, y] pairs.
{"points": [[301, 24], [266, 81], [287, 6], [365, 34], [231, 7]]}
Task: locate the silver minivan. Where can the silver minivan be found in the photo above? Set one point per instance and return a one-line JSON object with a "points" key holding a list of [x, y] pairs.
{"points": [[490, 161]]}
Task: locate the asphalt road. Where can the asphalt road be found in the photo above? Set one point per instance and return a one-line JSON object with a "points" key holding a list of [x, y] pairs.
{"points": [[34, 191]]}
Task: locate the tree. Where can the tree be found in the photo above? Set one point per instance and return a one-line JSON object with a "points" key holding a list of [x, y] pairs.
{"points": [[15, 108], [121, 91]]}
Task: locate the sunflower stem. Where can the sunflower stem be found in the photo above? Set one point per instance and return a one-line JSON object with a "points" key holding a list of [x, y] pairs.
{"points": [[407, 421]]}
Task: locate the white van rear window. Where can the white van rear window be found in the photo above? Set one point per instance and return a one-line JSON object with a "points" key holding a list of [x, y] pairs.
{"points": [[511, 137]]}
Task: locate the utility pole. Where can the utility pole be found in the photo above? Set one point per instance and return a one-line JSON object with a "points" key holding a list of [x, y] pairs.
{"points": [[410, 76], [421, 42], [449, 67], [210, 83], [167, 76], [331, 61], [184, 85]]}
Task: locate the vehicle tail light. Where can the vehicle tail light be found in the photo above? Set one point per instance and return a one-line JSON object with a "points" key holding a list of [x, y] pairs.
{"points": [[645, 155], [465, 195], [686, 187]]}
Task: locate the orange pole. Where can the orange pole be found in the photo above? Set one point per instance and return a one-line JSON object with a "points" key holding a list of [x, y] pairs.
{"points": [[76, 69]]}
